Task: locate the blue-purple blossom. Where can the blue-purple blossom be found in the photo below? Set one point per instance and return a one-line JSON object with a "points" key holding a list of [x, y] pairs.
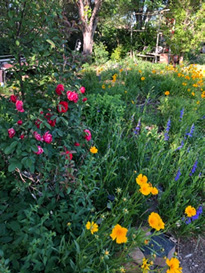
{"points": [[191, 131], [137, 129], [182, 144], [181, 114], [166, 136], [177, 175], [193, 168]]}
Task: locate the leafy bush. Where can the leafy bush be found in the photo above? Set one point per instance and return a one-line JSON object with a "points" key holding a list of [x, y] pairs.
{"points": [[100, 53]]}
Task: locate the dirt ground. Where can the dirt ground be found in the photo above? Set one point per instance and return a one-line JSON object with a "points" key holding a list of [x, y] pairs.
{"points": [[191, 253]]}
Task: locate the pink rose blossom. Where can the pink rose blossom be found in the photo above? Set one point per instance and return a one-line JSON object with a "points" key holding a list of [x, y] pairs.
{"points": [[47, 137], [20, 122], [13, 98], [19, 105], [72, 96], [40, 150], [59, 89], [37, 136], [22, 136], [82, 89], [76, 144], [88, 135], [11, 132], [50, 121], [84, 99]]}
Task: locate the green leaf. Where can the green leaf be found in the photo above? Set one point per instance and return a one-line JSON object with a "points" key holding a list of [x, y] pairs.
{"points": [[51, 43]]}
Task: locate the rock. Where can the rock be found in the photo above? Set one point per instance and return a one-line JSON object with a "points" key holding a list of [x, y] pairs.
{"points": [[137, 255]]}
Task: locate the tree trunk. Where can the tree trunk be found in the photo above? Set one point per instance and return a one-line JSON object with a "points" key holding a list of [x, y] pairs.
{"points": [[87, 42]]}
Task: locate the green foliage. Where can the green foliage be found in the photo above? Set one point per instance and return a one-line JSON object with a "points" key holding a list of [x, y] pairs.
{"points": [[100, 53], [117, 53]]}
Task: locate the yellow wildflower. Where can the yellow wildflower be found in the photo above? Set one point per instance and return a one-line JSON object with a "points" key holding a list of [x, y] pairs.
{"points": [[173, 264], [141, 179], [154, 190], [103, 86], [193, 94], [145, 265], [166, 93], [142, 78], [145, 189], [93, 150], [155, 221], [190, 211], [93, 227], [119, 233]]}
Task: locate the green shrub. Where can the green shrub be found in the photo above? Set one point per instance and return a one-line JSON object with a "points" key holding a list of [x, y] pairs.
{"points": [[100, 53]]}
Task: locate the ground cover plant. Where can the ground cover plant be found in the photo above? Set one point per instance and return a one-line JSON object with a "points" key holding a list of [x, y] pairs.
{"points": [[89, 166]]}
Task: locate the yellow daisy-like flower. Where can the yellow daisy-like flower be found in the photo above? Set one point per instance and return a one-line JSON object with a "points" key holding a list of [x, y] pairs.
{"points": [[203, 95], [141, 179], [93, 227], [188, 89], [167, 93], [184, 83], [154, 191], [121, 70], [198, 102], [145, 265], [125, 91], [153, 71], [119, 233], [155, 221], [173, 264], [142, 78], [103, 86], [145, 189], [179, 75], [190, 211], [187, 77], [122, 269], [93, 150], [140, 71], [193, 94]]}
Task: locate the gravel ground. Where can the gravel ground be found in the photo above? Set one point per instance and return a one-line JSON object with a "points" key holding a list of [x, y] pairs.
{"points": [[191, 253]]}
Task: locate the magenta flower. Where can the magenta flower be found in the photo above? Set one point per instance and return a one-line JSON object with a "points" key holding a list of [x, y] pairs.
{"points": [[88, 135], [72, 96], [84, 99], [20, 122], [11, 132], [13, 98], [40, 150], [47, 137], [82, 89], [22, 136], [19, 106], [37, 136]]}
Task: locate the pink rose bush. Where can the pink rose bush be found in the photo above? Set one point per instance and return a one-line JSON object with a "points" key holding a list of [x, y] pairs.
{"points": [[82, 89], [19, 106], [11, 132], [72, 96], [40, 150], [37, 136], [59, 89], [47, 137], [88, 135], [20, 122]]}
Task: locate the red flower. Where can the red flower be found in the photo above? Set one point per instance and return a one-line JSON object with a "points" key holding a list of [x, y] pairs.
{"points": [[11, 132], [47, 137], [13, 98], [62, 107], [59, 89], [37, 123], [84, 99], [72, 96], [20, 122], [76, 144], [51, 122], [22, 136], [69, 154], [19, 105], [88, 135], [82, 89]]}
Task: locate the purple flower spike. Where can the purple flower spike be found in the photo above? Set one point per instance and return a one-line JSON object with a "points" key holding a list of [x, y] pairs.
{"points": [[181, 114], [193, 168], [166, 136], [137, 129], [178, 175], [190, 134]]}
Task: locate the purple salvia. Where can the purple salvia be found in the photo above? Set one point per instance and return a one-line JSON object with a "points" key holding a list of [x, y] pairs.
{"points": [[182, 144], [137, 129], [193, 168], [166, 136], [177, 175], [191, 131], [181, 114]]}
